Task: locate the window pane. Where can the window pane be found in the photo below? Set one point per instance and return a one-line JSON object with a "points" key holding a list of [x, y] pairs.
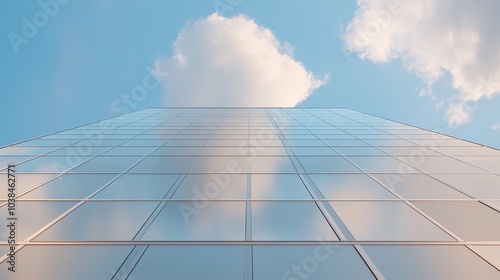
{"points": [[267, 151], [278, 164], [339, 136], [134, 142], [361, 151], [80, 151], [463, 151], [415, 151], [67, 262], [138, 186], [278, 186], [25, 182], [327, 164], [382, 164], [289, 221], [168, 164], [495, 204], [108, 164], [177, 151], [212, 186], [191, 262], [220, 151], [440, 164], [51, 164], [199, 220], [308, 262], [48, 143], [429, 262], [481, 186], [345, 143], [32, 216], [185, 142], [101, 221], [300, 136], [418, 186], [390, 142], [305, 142], [350, 186], [70, 186], [471, 220], [386, 220], [228, 164], [487, 162], [313, 151], [20, 151], [489, 253], [140, 151]]}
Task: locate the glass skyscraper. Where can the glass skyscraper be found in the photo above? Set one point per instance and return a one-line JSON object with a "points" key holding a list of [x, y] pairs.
{"points": [[249, 193]]}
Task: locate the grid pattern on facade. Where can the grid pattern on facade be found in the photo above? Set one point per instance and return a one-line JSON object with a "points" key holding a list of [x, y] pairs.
{"points": [[252, 193]]}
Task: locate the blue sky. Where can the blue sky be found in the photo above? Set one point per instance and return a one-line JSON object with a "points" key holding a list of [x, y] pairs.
{"points": [[82, 60]]}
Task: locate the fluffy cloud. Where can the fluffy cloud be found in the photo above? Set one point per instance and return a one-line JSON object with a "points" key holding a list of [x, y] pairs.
{"points": [[434, 38], [220, 61]]}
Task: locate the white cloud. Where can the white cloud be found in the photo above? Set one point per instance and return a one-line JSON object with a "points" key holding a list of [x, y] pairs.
{"points": [[495, 126], [458, 113], [434, 38], [220, 61]]}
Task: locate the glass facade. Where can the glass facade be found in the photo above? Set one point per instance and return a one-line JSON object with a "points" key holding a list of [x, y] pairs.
{"points": [[250, 193]]}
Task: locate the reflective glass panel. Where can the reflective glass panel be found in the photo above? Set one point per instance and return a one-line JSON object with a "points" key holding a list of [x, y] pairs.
{"points": [[278, 186], [80, 151], [20, 150], [108, 164], [70, 186], [32, 216], [327, 164], [489, 253], [409, 151], [440, 164], [139, 151], [389, 142], [467, 151], [115, 220], [471, 220], [429, 262], [381, 164], [138, 186], [67, 262], [386, 220], [487, 162], [199, 220], [350, 186], [289, 221], [481, 186], [278, 164], [305, 142], [345, 142], [313, 151], [308, 262], [418, 186], [267, 151], [24, 182], [190, 262], [51, 164], [167, 164], [221, 151], [212, 186], [177, 151], [354, 151]]}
